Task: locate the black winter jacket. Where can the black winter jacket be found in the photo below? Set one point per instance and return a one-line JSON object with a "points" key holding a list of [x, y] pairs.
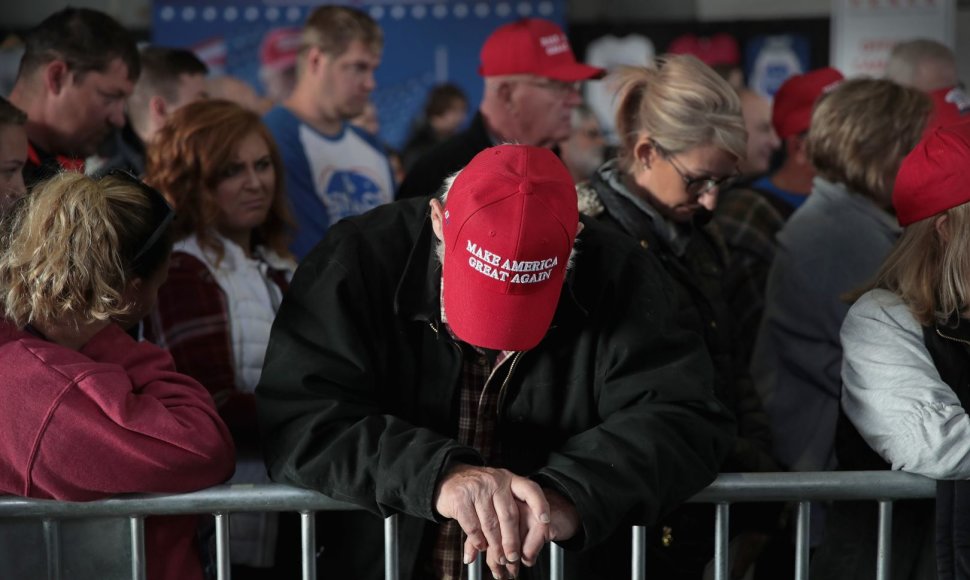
{"points": [[614, 408]]}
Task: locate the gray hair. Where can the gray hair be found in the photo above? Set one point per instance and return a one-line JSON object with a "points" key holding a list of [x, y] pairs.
{"points": [[906, 58]]}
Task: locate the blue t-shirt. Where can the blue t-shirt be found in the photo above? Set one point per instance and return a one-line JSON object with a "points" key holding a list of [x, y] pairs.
{"points": [[793, 199], [328, 177]]}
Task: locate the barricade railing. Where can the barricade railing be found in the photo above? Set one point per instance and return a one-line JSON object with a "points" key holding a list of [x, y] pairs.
{"points": [[884, 487]]}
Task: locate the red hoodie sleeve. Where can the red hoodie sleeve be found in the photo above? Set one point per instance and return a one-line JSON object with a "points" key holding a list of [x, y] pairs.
{"points": [[131, 424]]}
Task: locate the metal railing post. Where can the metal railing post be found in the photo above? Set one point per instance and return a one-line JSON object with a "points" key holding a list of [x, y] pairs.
{"points": [[722, 522], [390, 548], [639, 564], [556, 556], [802, 528], [883, 555], [222, 546], [137, 526], [475, 568], [52, 539], [308, 545]]}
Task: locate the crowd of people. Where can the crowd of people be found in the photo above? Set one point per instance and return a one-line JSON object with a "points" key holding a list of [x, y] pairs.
{"points": [[510, 334]]}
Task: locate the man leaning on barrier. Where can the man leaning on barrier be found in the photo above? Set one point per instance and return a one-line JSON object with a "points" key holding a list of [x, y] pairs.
{"points": [[495, 366]]}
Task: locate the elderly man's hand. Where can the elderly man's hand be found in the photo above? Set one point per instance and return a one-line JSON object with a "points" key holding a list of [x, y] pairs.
{"points": [[485, 502]]}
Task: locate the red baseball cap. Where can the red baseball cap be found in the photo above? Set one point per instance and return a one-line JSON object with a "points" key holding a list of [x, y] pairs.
{"points": [[720, 49], [791, 112], [509, 225], [280, 47], [950, 106], [933, 177], [533, 46]]}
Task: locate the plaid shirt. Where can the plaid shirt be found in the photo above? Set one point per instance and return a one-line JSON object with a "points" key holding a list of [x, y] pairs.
{"points": [[748, 222], [191, 320], [477, 424]]}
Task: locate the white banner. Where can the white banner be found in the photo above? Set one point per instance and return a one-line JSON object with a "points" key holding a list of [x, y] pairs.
{"points": [[865, 31]]}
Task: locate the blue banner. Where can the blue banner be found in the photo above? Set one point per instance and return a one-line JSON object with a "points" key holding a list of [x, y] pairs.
{"points": [[425, 43]]}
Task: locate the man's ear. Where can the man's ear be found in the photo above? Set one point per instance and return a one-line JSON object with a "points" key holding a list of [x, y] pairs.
{"points": [[438, 218], [315, 59], [157, 107], [56, 76]]}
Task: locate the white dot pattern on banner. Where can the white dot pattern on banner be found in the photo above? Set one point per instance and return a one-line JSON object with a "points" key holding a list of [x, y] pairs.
{"points": [[481, 10], [272, 14], [188, 13], [209, 13], [251, 14], [546, 8], [293, 14], [419, 11], [167, 13], [439, 11], [461, 11], [376, 12], [503, 9], [230, 14], [398, 12], [524, 9]]}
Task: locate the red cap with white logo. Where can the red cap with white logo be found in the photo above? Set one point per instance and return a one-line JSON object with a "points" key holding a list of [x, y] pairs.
{"points": [[509, 225], [533, 46]]}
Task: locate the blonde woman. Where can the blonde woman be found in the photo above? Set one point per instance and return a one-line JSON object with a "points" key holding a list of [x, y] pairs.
{"points": [[96, 412], [905, 368], [682, 137]]}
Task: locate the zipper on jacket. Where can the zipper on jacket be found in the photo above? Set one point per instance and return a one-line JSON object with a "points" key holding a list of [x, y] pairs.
{"points": [[966, 342], [505, 384]]}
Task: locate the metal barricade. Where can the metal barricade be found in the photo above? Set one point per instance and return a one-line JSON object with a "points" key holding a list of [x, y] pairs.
{"points": [[882, 486]]}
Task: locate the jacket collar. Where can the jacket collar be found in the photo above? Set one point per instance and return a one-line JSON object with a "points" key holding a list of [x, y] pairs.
{"points": [[418, 294]]}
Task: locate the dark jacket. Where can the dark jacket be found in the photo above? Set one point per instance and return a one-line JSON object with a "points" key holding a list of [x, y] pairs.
{"points": [[698, 277], [684, 544], [614, 408], [424, 179], [947, 344]]}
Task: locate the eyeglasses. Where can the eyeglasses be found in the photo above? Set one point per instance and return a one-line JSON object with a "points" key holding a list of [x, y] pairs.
{"points": [[698, 186], [161, 210], [558, 88]]}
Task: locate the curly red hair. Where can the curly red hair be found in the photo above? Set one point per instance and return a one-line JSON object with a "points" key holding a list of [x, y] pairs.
{"points": [[188, 159]]}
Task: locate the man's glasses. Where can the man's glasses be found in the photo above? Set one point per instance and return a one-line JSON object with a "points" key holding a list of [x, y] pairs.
{"points": [[698, 186], [161, 210]]}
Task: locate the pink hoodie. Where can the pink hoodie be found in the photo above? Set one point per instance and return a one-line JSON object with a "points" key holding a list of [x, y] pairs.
{"points": [[114, 417]]}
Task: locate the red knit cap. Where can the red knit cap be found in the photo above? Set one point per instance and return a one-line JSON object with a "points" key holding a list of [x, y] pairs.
{"points": [[934, 177]]}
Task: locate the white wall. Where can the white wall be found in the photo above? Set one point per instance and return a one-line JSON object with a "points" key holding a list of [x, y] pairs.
{"points": [[708, 10], [26, 13]]}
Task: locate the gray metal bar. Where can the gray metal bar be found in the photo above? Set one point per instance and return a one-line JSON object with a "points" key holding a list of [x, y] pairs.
{"points": [[308, 544], [816, 486], [639, 564], [728, 487], [52, 541], [555, 561], [475, 568], [722, 522], [802, 528], [222, 498], [390, 548], [137, 525], [884, 546], [222, 546]]}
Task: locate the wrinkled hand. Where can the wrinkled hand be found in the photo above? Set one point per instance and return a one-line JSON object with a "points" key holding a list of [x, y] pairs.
{"points": [[486, 504]]}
